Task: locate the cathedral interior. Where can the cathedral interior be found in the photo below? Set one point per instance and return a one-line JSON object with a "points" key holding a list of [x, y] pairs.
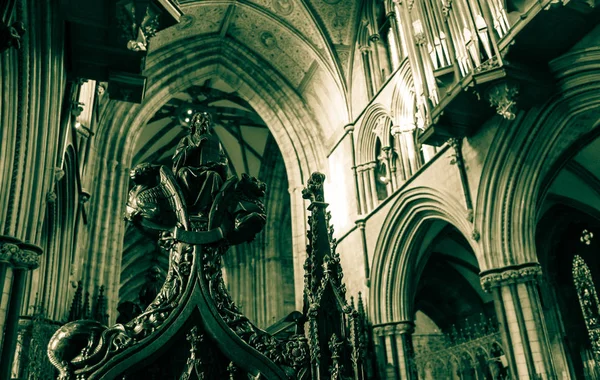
{"points": [[299, 189]]}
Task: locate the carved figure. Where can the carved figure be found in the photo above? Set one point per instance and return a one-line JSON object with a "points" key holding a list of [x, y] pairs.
{"points": [[199, 165], [150, 201], [248, 212]]}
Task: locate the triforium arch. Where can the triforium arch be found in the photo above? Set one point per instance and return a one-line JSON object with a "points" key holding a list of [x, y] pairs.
{"points": [[375, 158], [408, 123], [184, 64], [404, 251], [525, 152]]}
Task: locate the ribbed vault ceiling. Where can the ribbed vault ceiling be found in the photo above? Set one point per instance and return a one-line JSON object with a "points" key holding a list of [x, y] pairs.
{"points": [[307, 42]]}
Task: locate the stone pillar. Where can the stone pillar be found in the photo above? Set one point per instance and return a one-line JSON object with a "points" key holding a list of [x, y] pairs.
{"points": [[23, 257], [397, 33], [403, 162], [395, 357], [408, 136], [521, 321], [371, 178], [368, 68], [362, 191], [8, 247], [391, 175], [403, 335]]}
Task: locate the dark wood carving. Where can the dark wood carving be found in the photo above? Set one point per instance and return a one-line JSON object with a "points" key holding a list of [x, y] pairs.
{"points": [[193, 329]]}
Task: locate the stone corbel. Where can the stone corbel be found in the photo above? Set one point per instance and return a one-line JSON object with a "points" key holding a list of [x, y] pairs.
{"points": [[503, 97]]}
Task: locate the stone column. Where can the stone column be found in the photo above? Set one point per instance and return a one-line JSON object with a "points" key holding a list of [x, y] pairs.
{"points": [[23, 258], [391, 175], [378, 56], [521, 321], [403, 162], [362, 191], [403, 335], [373, 186], [397, 35], [395, 356], [8, 247], [408, 130], [368, 69]]}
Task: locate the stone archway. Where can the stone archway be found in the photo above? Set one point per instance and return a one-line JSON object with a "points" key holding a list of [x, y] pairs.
{"points": [[281, 109]]}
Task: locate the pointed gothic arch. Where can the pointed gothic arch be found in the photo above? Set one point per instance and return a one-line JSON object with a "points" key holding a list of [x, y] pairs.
{"points": [[271, 97]]}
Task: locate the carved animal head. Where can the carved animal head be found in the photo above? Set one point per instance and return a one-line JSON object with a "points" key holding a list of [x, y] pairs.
{"points": [[144, 174], [251, 186], [72, 343]]}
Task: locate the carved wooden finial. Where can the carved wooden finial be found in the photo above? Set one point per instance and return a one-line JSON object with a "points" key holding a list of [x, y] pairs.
{"points": [[314, 188]]}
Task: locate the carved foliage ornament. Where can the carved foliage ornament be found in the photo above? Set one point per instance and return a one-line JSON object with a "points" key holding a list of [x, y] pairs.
{"points": [[7, 251], [503, 96], [511, 276]]}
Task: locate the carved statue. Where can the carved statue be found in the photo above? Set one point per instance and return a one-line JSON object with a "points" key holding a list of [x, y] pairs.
{"points": [[199, 165]]}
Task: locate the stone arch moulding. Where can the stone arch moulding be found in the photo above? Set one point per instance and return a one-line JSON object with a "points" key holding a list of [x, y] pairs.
{"points": [[403, 105], [184, 64], [395, 258], [526, 151], [366, 135]]}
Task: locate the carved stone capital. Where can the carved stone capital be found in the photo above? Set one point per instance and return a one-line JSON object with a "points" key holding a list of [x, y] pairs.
{"points": [[364, 49], [406, 127], [375, 38], [349, 128], [420, 39], [9, 246], [510, 275], [454, 143], [27, 258], [51, 197], [503, 96], [370, 165], [379, 330], [406, 327], [389, 330], [394, 328], [59, 173], [7, 251]]}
